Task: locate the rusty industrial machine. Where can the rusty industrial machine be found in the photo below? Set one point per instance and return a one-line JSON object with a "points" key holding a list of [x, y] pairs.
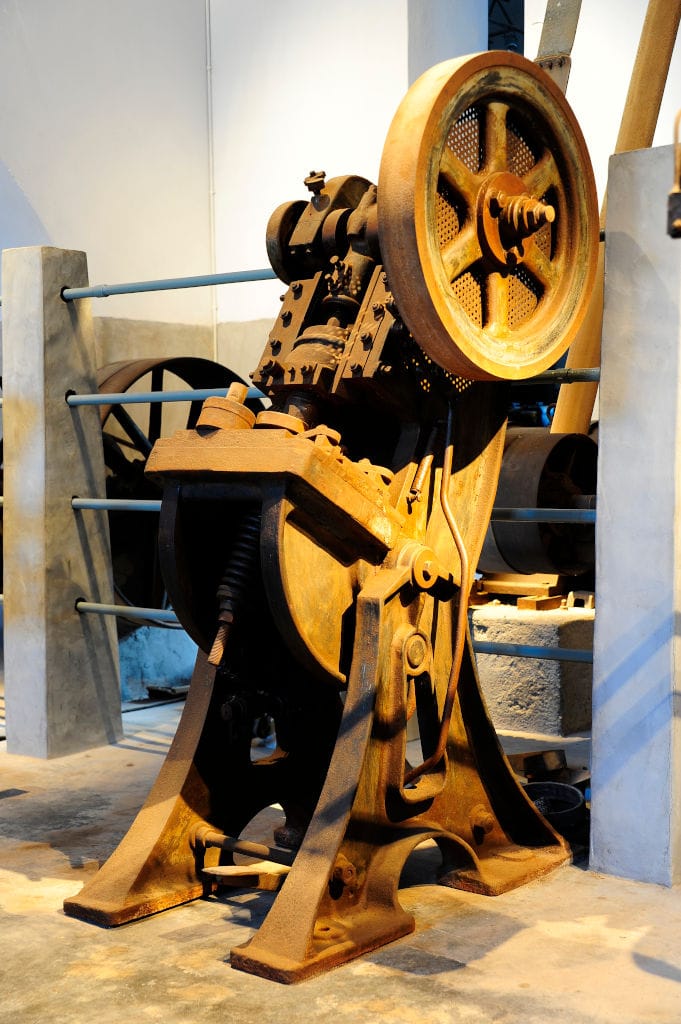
{"points": [[321, 552]]}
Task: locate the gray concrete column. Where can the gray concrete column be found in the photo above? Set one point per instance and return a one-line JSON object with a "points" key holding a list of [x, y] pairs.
{"points": [[442, 29], [61, 668], [636, 771]]}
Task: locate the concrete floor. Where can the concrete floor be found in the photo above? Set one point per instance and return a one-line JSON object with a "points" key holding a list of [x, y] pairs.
{"points": [[574, 948]]}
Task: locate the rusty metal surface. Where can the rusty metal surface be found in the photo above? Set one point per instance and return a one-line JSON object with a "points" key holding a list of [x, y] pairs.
{"points": [[493, 283], [541, 469], [322, 555], [557, 39]]}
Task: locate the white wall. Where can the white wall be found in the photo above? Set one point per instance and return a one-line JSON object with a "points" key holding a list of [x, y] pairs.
{"points": [[602, 59], [104, 142], [299, 86], [296, 86], [104, 134]]}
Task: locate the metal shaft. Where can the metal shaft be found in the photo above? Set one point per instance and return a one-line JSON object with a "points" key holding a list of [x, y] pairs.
{"points": [[209, 837]]}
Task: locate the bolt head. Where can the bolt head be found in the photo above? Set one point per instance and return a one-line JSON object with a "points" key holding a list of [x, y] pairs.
{"points": [[416, 650]]}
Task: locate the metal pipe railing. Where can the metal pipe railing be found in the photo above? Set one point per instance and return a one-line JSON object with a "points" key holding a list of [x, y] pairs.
{"points": [[503, 515], [117, 504], [544, 515], [532, 651], [126, 611], [145, 397], [102, 291]]}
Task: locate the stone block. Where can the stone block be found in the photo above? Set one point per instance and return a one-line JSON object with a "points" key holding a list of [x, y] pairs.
{"points": [[531, 695]]}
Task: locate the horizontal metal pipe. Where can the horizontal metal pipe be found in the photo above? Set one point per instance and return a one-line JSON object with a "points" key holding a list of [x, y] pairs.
{"points": [[532, 651], [101, 291], [210, 837], [146, 397], [589, 374], [117, 504], [544, 515], [127, 612]]}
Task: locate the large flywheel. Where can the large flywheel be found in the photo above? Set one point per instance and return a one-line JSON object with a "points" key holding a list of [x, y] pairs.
{"points": [[488, 217]]}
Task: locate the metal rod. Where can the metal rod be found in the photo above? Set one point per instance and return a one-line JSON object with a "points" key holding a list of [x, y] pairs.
{"points": [[127, 612], [564, 375], [544, 515], [531, 651], [460, 631], [144, 397], [117, 504], [278, 855], [101, 291]]}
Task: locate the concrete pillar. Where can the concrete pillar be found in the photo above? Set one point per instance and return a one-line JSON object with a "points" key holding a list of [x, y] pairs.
{"points": [[636, 771], [61, 668], [442, 29]]}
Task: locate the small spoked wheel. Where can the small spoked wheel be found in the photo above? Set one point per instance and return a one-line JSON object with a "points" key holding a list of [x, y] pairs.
{"points": [[128, 434]]}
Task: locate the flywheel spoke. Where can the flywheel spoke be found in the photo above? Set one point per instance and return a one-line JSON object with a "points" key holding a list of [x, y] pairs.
{"points": [[541, 267], [496, 137], [460, 254], [459, 177], [543, 176], [497, 302], [139, 439], [155, 408]]}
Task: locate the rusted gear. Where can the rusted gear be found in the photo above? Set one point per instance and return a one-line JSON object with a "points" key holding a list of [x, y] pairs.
{"points": [[487, 216]]}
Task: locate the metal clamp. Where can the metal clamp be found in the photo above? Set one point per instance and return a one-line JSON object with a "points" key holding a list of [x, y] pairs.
{"points": [[674, 198]]}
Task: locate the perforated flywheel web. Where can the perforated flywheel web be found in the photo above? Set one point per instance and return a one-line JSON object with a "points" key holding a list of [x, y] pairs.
{"points": [[466, 139], [428, 373]]}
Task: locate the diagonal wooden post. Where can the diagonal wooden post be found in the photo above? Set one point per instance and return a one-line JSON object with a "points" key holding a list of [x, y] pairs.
{"points": [[576, 401], [61, 669]]}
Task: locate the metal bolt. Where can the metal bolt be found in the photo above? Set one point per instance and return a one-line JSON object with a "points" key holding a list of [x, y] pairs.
{"points": [[482, 822], [315, 181], [378, 308], [296, 288], [366, 337], [415, 651], [286, 317]]}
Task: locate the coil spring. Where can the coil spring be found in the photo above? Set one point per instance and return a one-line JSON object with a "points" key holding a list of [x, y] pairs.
{"points": [[233, 586]]}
